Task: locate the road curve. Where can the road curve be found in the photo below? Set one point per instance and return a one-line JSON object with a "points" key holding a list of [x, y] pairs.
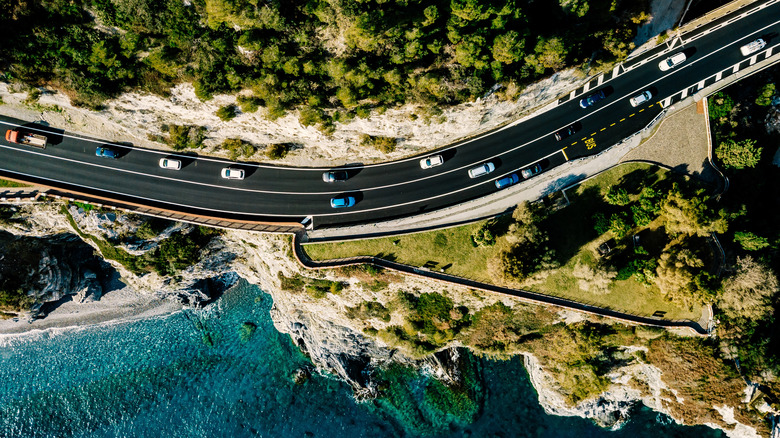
{"points": [[401, 188]]}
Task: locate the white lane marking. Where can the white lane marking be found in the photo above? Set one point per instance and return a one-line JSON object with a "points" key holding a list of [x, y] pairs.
{"points": [[600, 81], [684, 94], [719, 76], [753, 59], [735, 68], [602, 108], [586, 87], [616, 71], [700, 85]]}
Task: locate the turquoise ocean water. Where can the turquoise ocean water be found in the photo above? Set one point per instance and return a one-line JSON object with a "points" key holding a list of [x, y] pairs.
{"points": [[200, 374]]}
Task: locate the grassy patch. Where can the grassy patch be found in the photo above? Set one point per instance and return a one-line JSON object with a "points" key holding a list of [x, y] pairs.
{"points": [[7, 183], [449, 249]]}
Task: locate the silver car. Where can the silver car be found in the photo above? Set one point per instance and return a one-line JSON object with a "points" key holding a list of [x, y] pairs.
{"points": [[642, 98], [482, 170]]}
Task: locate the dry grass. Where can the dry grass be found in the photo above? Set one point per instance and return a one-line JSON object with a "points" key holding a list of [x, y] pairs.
{"points": [[690, 367]]}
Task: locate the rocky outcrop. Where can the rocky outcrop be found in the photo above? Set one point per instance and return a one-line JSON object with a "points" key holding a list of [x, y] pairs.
{"points": [[45, 270]]}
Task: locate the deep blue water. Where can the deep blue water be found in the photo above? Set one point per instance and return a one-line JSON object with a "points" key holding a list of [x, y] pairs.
{"points": [[191, 374]]}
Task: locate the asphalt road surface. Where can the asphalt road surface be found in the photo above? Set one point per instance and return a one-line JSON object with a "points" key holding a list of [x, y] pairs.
{"points": [[399, 188]]}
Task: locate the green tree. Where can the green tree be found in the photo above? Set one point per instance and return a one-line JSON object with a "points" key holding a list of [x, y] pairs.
{"points": [[576, 7], [765, 95], [508, 47], [738, 154], [749, 241], [227, 112], [676, 274], [617, 196], [549, 53], [691, 214], [619, 225]]}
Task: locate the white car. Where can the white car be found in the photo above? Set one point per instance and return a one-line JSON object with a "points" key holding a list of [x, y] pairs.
{"points": [[169, 163], [642, 98], [230, 173], [432, 161], [672, 61], [752, 47]]}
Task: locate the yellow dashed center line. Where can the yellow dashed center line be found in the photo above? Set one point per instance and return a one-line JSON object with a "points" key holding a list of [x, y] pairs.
{"points": [[622, 119], [593, 134], [612, 124], [642, 109], [632, 115], [584, 138], [602, 129], [572, 144], [564, 153]]}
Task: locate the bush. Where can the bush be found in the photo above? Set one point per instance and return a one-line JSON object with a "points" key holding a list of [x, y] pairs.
{"points": [[185, 136], [600, 223], [228, 112], [384, 144], [248, 104], [277, 151], [765, 95], [617, 196], [238, 148], [483, 236], [738, 154], [749, 241]]}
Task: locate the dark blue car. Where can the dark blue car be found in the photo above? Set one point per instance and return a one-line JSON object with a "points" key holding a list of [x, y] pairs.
{"points": [[106, 152], [591, 99]]}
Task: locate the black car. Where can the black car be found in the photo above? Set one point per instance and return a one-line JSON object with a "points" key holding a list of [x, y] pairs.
{"points": [[591, 99], [335, 176], [565, 132]]}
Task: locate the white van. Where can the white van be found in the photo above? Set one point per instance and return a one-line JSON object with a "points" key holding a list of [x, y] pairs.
{"points": [[481, 170], [752, 47]]}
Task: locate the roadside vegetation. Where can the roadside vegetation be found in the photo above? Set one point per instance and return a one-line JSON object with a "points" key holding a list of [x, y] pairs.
{"points": [[345, 55], [11, 184], [745, 121], [177, 252], [657, 258]]}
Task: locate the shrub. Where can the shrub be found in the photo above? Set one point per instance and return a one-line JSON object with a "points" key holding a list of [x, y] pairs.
{"points": [[600, 223], [619, 225], [738, 154], [367, 310], [238, 148], [483, 236], [749, 241], [277, 151], [765, 95], [227, 112], [248, 104], [185, 136], [617, 196], [384, 144]]}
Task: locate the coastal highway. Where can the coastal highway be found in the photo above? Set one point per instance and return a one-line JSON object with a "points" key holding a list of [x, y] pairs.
{"points": [[401, 187]]}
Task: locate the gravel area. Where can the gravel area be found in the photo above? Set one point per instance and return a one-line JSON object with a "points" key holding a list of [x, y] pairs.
{"points": [[680, 143]]}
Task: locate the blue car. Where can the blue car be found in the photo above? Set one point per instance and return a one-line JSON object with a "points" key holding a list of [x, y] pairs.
{"points": [[342, 202], [591, 99], [106, 152], [507, 181]]}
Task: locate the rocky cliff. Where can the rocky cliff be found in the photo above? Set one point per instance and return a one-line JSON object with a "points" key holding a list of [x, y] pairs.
{"points": [[340, 340]]}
